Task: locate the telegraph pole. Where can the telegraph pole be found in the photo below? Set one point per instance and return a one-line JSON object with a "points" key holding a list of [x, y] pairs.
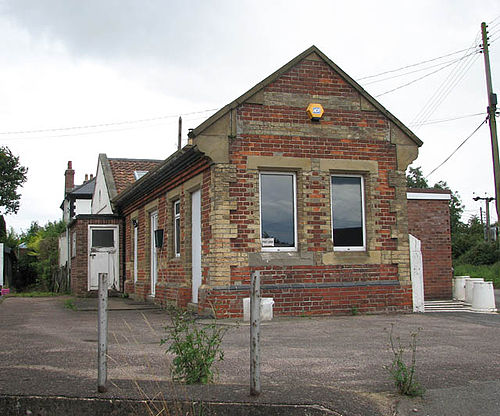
{"points": [[492, 107], [487, 200]]}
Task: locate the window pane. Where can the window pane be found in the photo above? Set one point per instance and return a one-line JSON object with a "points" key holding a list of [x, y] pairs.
{"points": [[177, 228], [277, 210], [102, 238], [347, 211], [177, 236]]}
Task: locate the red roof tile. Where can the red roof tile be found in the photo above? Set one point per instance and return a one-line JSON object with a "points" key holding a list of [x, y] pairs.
{"points": [[123, 170]]}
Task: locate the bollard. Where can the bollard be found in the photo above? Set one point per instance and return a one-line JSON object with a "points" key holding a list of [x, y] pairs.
{"points": [[255, 334], [102, 333]]}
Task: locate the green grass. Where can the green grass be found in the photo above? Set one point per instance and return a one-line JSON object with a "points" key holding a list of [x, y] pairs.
{"points": [[70, 304], [34, 294], [489, 273]]}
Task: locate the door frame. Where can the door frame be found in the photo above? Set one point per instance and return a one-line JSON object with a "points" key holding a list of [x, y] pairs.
{"points": [[116, 254], [153, 253]]}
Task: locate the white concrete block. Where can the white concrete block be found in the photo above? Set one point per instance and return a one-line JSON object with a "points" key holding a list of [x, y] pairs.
{"points": [[266, 309]]}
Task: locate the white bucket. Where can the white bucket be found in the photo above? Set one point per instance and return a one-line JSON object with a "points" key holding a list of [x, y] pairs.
{"points": [[469, 287], [266, 309], [483, 299], [459, 287]]}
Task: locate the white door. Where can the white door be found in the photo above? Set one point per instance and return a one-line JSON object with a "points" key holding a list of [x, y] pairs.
{"points": [[154, 260], [103, 255], [195, 243], [417, 274]]}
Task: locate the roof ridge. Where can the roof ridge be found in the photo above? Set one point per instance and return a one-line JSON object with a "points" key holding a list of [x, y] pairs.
{"points": [[134, 160], [280, 71]]}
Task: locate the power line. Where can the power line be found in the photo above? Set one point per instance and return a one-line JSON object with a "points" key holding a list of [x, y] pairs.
{"points": [[416, 70], [96, 132], [444, 120], [458, 147], [90, 126], [412, 65], [450, 82], [415, 80]]}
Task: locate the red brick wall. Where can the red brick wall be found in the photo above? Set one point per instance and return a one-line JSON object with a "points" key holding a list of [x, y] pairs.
{"points": [[351, 130], [80, 263], [174, 273], [342, 134], [429, 221]]}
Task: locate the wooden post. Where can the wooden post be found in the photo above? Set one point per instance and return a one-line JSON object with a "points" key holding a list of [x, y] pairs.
{"points": [[255, 334], [102, 330]]}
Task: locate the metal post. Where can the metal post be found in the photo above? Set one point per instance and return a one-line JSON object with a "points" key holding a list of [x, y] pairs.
{"points": [[102, 329], [255, 334], [179, 138]]}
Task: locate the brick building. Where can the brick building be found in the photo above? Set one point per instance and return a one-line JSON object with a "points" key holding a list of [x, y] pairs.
{"points": [[429, 221], [92, 242], [318, 206]]}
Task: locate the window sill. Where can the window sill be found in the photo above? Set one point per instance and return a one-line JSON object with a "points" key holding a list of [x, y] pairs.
{"points": [[280, 258]]}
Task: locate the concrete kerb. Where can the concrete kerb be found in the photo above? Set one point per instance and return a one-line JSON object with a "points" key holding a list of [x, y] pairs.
{"points": [[63, 406]]}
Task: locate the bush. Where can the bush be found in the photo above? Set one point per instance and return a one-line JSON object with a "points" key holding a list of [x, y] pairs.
{"points": [[196, 348], [481, 253]]}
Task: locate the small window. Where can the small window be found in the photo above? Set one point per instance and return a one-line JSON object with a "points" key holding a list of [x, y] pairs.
{"points": [[103, 238], [348, 215], [177, 228], [278, 211], [138, 174]]}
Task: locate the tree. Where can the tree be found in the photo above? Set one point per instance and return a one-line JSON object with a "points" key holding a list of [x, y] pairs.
{"points": [[12, 176], [459, 231], [415, 178]]}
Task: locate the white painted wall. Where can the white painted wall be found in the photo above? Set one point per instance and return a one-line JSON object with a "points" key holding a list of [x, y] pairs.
{"points": [[63, 249], [417, 274], [100, 201], [83, 206]]}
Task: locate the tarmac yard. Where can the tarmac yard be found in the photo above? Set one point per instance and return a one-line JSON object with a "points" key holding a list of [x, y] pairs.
{"points": [[310, 366]]}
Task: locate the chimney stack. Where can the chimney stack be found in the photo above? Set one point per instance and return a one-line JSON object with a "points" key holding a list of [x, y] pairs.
{"points": [[69, 178], [86, 177]]}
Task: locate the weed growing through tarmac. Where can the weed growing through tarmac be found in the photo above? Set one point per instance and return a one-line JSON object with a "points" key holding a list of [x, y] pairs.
{"points": [[196, 348], [403, 374], [134, 370], [70, 304]]}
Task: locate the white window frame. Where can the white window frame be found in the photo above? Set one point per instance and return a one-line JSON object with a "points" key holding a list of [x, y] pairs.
{"points": [[177, 217], [363, 219], [294, 175]]}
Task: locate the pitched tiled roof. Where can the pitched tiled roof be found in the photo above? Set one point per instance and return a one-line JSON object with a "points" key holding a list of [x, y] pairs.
{"points": [[123, 170]]}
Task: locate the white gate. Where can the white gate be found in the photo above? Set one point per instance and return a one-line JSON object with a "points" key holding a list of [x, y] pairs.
{"points": [[417, 274]]}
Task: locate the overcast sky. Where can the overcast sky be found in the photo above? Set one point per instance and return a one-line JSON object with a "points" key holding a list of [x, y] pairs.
{"points": [[72, 63]]}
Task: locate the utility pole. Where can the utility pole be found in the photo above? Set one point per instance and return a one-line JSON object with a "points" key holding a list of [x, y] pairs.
{"points": [[487, 200], [492, 107], [179, 137]]}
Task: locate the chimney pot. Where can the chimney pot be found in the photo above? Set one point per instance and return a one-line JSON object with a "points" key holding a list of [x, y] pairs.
{"points": [[86, 177], [91, 176]]}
